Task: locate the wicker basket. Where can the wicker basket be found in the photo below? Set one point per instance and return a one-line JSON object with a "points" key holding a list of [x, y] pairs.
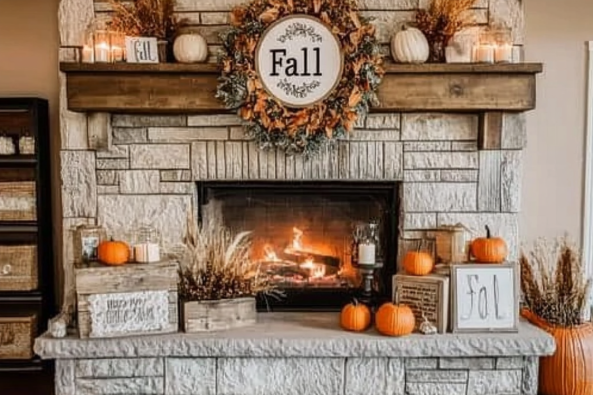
{"points": [[18, 268], [16, 337], [7, 146], [17, 201]]}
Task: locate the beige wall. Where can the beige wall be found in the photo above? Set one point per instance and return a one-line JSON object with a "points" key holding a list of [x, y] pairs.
{"points": [[556, 31], [554, 161]]}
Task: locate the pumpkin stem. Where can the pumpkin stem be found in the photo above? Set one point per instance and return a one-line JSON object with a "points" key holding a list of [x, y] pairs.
{"points": [[488, 234], [355, 301]]}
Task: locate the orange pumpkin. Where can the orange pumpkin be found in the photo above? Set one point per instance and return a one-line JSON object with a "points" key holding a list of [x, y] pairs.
{"points": [[489, 249], [113, 252], [394, 320], [418, 263], [569, 371], [355, 317]]}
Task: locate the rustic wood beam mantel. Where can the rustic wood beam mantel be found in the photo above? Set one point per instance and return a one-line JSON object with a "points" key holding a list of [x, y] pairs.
{"points": [[169, 88]]}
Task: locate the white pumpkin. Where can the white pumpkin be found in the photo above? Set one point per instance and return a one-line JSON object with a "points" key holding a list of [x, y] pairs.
{"points": [[190, 48], [409, 45]]}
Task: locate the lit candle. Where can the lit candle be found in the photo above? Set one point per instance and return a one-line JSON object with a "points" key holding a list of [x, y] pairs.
{"points": [[117, 53], [102, 52], [87, 54], [503, 53], [147, 253], [485, 53], [366, 254]]}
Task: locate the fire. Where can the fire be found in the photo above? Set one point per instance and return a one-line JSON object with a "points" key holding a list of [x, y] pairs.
{"points": [[300, 262]]}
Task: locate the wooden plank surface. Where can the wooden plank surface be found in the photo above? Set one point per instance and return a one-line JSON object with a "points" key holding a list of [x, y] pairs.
{"points": [[190, 88], [217, 315]]}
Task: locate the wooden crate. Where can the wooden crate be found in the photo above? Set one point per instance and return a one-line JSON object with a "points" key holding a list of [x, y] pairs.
{"points": [[18, 268], [424, 294], [133, 299], [16, 337], [217, 315], [18, 201]]}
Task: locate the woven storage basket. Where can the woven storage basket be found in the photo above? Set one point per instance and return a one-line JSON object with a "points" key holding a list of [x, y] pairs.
{"points": [[16, 337], [18, 268], [17, 201], [27, 145]]}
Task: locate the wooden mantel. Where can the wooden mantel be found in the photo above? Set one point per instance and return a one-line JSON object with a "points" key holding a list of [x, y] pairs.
{"points": [[168, 88]]}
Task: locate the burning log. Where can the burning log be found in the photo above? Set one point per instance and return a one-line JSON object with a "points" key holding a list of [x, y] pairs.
{"points": [[290, 254]]}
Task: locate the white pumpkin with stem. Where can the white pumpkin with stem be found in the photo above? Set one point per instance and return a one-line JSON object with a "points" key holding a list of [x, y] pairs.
{"points": [[409, 45], [190, 48]]}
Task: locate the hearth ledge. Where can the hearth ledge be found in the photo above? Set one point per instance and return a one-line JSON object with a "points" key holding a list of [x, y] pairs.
{"points": [[301, 335]]}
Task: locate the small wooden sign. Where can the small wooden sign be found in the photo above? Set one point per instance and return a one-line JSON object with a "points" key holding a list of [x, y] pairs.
{"points": [[120, 314], [428, 295], [142, 50], [484, 298], [299, 60]]}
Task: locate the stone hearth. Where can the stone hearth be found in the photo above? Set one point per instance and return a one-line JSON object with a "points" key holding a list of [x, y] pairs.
{"points": [[292, 353]]}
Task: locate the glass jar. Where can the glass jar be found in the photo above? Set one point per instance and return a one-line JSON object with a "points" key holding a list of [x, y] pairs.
{"points": [[102, 46], [147, 245]]}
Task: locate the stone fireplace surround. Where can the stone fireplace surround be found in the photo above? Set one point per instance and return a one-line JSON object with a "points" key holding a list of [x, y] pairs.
{"points": [[146, 170]]}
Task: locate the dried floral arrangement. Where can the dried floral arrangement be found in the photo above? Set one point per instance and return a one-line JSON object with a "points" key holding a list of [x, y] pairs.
{"points": [[553, 282], [145, 18], [307, 130], [217, 265], [439, 23]]}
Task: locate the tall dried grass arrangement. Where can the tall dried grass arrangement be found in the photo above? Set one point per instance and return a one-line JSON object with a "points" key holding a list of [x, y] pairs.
{"points": [[145, 18], [553, 282], [440, 21], [217, 264]]}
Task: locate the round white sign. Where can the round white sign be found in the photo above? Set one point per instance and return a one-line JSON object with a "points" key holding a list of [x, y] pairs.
{"points": [[299, 60]]}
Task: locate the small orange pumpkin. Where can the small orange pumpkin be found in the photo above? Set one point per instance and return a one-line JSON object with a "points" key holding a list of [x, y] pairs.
{"points": [[113, 252], [418, 263], [394, 320], [489, 249], [355, 317]]}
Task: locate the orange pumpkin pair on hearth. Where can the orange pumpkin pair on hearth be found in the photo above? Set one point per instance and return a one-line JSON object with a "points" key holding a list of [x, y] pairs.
{"points": [[390, 319]]}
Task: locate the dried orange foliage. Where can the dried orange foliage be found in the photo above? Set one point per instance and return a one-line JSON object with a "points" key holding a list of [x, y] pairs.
{"points": [[147, 18], [331, 118], [443, 19]]}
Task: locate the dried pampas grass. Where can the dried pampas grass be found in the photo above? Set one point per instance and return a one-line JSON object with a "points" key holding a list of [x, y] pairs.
{"points": [[553, 282], [217, 264]]}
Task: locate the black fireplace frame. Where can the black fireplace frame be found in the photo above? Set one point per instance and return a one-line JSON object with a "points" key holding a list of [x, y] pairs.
{"points": [[322, 299]]}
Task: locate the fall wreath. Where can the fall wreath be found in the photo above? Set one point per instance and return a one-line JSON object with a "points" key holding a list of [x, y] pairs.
{"points": [[299, 130]]}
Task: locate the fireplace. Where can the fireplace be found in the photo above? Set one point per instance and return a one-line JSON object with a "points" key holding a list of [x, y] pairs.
{"points": [[302, 235]]}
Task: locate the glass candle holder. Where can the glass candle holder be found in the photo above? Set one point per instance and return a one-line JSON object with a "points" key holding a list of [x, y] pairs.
{"points": [[118, 45], [146, 247], [503, 50], [102, 46], [484, 49]]}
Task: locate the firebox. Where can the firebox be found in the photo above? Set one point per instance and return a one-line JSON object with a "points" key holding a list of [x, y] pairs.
{"points": [[302, 235]]}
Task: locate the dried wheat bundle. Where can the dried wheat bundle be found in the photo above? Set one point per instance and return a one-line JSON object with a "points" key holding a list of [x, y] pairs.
{"points": [[147, 18], [442, 19], [553, 282], [217, 264]]}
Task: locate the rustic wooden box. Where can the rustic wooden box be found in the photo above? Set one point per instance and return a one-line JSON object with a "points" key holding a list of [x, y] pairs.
{"points": [[217, 315], [133, 299], [18, 268], [424, 294], [17, 335]]}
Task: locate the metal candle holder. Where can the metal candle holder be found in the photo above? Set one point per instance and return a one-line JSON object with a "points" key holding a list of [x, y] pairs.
{"points": [[368, 275]]}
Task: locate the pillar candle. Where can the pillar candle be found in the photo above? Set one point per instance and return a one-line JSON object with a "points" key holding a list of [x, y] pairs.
{"points": [[366, 254], [485, 53], [87, 54], [102, 52], [147, 252], [503, 53], [117, 54]]}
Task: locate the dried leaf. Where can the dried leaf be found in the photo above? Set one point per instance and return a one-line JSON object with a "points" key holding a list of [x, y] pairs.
{"points": [[269, 15], [355, 97], [317, 6], [238, 16], [355, 19]]}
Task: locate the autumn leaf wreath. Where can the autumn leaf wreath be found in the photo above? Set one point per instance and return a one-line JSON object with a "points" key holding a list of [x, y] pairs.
{"points": [[299, 130]]}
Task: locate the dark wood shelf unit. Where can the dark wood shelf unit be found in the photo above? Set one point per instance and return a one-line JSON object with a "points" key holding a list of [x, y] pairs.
{"points": [[170, 88], [29, 116]]}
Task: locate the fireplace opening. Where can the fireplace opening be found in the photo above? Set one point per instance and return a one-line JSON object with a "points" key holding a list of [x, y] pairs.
{"points": [[302, 235]]}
